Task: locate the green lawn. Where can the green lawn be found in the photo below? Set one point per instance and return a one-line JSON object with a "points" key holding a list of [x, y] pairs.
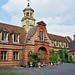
{"points": [[12, 72]]}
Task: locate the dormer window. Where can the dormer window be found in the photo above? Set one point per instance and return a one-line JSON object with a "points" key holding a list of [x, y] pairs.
{"points": [[57, 43], [27, 14], [41, 35], [66, 45], [4, 37], [62, 45], [16, 38]]}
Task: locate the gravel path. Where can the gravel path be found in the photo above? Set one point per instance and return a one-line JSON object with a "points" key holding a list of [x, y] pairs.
{"points": [[64, 69]]}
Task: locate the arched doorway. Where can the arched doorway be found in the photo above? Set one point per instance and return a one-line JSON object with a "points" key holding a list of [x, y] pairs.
{"points": [[42, 58]]}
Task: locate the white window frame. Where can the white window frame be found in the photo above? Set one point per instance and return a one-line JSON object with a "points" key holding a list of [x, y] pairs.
{"points": [[5, 37], [4, 55], [57, 45], [62, 44], [41, 36], [15, 55], [17, 38]]}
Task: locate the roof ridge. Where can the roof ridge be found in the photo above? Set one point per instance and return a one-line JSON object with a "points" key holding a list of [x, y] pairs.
{"points": [[10, 25], [56, 35]]}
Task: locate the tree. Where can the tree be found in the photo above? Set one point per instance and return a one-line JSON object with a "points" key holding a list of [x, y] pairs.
{"points": [[64, 55], [53, 56]]}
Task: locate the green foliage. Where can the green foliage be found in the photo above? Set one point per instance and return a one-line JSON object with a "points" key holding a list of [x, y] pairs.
{"points": [[53, 56], [31, 60], [73, 61], [71, 58], [34, 54], [64, 55]]}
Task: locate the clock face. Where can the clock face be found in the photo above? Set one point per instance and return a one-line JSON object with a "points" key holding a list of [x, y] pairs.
{"points": [[24, 22], [31, 21]]}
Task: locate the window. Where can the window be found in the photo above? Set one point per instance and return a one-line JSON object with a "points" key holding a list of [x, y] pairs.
{"points": [[31, 21], [41, 35], [24, 22], [62, 44], [27, 14], [66, 44], [15, 56], [31, 14], [4, 36], [3, 55], [73, 55], [16, 38], [57, 43]]}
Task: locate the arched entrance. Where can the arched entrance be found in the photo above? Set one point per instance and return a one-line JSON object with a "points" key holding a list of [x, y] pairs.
{"points": [[42, 58]]}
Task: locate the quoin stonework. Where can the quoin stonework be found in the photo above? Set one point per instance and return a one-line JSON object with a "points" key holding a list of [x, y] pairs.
{"points": [[16, 42]]}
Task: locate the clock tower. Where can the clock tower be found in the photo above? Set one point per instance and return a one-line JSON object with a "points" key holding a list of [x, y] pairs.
{"points": [[28, 20]]}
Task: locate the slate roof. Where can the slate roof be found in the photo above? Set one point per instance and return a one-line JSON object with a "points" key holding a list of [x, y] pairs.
{"points": [[72, 46], [57, 38], [14, 30], [30, 33]]}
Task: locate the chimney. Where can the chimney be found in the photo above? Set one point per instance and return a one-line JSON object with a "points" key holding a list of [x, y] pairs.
{"points": [[74, 37]]}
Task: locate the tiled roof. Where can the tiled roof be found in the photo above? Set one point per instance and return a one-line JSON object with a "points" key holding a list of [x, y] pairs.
{"points": [[41, 23], [57, 38], [72, 46], [16, 30]]}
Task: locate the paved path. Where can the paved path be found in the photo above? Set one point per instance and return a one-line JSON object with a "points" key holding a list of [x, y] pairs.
{"points": [[64, 69]]}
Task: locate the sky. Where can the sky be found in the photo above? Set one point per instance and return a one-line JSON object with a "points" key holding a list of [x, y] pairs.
{"points": [[59, 15]]}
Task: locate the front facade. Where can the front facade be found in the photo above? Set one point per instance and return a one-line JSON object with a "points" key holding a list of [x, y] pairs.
{"points": [[16, 42]]}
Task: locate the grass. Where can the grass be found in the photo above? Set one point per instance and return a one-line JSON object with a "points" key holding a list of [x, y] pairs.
{"points": [[7, 72]]}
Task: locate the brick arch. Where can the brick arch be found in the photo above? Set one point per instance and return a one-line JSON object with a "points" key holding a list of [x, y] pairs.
{"points": [[46, 49]]}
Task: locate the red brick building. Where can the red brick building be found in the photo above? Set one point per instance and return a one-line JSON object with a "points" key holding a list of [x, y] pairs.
{"points": [[72, 49], [16, 42]]}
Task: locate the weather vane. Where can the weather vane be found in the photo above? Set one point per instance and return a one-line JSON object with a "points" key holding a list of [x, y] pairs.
{"points": [[28, 3]]}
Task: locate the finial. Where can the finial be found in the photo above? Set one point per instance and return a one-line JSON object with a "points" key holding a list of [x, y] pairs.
{"points": [[28, 3]]}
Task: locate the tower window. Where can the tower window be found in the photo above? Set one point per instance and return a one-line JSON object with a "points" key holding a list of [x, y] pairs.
{"points": [[30, 14], [27, 14], [41, 35]]}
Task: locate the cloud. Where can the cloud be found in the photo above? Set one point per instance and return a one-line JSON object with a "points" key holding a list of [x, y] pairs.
{"points": [[16, 19], [62, 30], [13, 6], [53, 20], [54, 12]]}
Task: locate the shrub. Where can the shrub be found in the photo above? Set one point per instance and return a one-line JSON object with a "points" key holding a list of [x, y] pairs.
{"points": [[53, 56]]}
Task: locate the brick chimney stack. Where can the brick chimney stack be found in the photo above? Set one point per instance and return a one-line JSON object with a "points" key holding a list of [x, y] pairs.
{"points": [[74, 37]]}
